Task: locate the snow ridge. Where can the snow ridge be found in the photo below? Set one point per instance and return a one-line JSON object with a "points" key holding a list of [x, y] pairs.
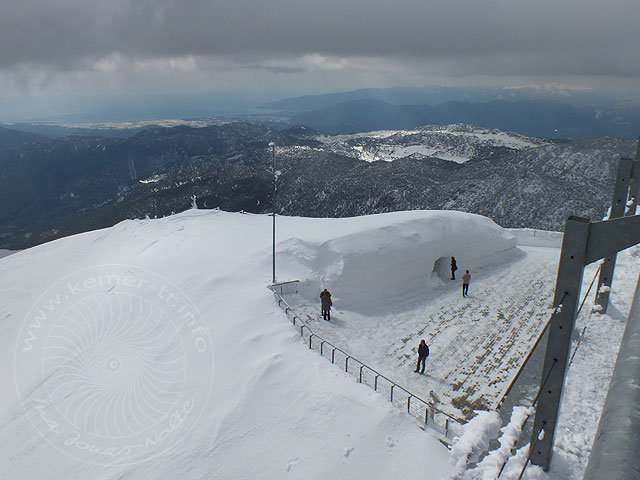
{"points": [[457, 143]]}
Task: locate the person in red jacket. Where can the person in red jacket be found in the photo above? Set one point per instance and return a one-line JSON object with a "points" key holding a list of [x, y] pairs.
{"points": [[423, 353], [325, 300]]}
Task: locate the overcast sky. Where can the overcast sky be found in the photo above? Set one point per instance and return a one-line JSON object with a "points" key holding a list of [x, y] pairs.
{"points": [[58, 57]]}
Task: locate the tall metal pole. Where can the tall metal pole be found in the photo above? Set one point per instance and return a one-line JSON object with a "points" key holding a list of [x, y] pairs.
{"points": [[275, 189]]}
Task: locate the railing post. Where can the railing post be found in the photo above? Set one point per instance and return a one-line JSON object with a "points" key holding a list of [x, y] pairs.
{"points": [[333, 354], [302, 330], [409, 404], [392, 385], [446, 428], [310, 337], [346, 364], [426, 416], [375, 384], [361, 367], [321, 345]]}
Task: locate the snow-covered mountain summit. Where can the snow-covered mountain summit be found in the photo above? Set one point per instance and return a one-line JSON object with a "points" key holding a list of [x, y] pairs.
{"points": [[110, 339], [457, 143]]}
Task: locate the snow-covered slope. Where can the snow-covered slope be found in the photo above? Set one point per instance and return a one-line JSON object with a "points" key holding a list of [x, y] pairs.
{"points": [[111, 338], [153, 349], [457, 143]]}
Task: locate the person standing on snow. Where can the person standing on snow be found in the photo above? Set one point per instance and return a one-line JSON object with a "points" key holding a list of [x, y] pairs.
{"points": [[423, 353], [325, 300], [465, 283], [454, 267]]}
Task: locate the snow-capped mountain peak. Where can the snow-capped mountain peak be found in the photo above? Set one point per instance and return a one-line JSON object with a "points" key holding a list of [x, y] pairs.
{"points": [[457, 143]]}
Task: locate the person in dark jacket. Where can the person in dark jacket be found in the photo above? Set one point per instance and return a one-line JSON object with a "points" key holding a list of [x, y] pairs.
{"points": [[454, 267], [423, 353], [325, 300]]}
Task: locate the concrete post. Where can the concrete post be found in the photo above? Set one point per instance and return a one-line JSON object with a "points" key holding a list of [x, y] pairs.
{"points": [[615, 448], [568, 283], [584, 242], [618, 208], [634, 184]]}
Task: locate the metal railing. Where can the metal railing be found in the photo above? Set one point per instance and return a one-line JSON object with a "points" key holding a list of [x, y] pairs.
{"points": [[425, 411]]}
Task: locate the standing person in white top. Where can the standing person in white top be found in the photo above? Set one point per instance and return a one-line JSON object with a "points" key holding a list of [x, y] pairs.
{"points": [[465, 283]]}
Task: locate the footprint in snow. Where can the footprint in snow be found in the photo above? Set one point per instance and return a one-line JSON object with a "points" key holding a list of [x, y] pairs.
{"points": [[347, 451], [292, 462]]}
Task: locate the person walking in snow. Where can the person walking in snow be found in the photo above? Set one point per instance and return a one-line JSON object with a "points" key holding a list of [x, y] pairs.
{"points": [[423, 353], [466, 278], [454, 267], [325, 300]]}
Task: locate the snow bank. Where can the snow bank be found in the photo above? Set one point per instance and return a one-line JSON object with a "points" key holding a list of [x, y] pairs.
{"points": [[493, 464], [474, 441], [374, 261]]}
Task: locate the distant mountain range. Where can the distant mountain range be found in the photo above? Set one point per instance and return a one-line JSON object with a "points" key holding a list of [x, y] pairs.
{"points": [[552, 112], [435, 95], [51, 188], [535, 118], [11, 139]]}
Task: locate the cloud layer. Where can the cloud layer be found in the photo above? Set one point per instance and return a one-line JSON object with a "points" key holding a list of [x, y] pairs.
{"points": [[53, 45]]}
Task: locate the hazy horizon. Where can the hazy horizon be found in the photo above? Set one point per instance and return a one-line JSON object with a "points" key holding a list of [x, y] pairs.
{"points": [[149, 107], [76, 58]]}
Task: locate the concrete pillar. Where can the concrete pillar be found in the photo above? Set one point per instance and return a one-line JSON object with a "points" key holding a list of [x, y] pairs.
{"points": [[617, 442], [618, 208]]}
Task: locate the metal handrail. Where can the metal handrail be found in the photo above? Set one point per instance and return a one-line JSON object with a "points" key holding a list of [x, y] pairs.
{"points": [[377, 375]]}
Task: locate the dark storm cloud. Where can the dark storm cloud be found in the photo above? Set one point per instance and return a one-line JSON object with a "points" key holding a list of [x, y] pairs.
{"points": [[502, 37]]}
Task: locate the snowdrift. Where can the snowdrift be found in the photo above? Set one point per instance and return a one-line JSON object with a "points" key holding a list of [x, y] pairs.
{"points": [[376, 259]]}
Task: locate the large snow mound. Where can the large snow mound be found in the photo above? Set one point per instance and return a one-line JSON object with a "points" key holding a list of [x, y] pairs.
{"points": [[110, 339], [375, 259]]}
